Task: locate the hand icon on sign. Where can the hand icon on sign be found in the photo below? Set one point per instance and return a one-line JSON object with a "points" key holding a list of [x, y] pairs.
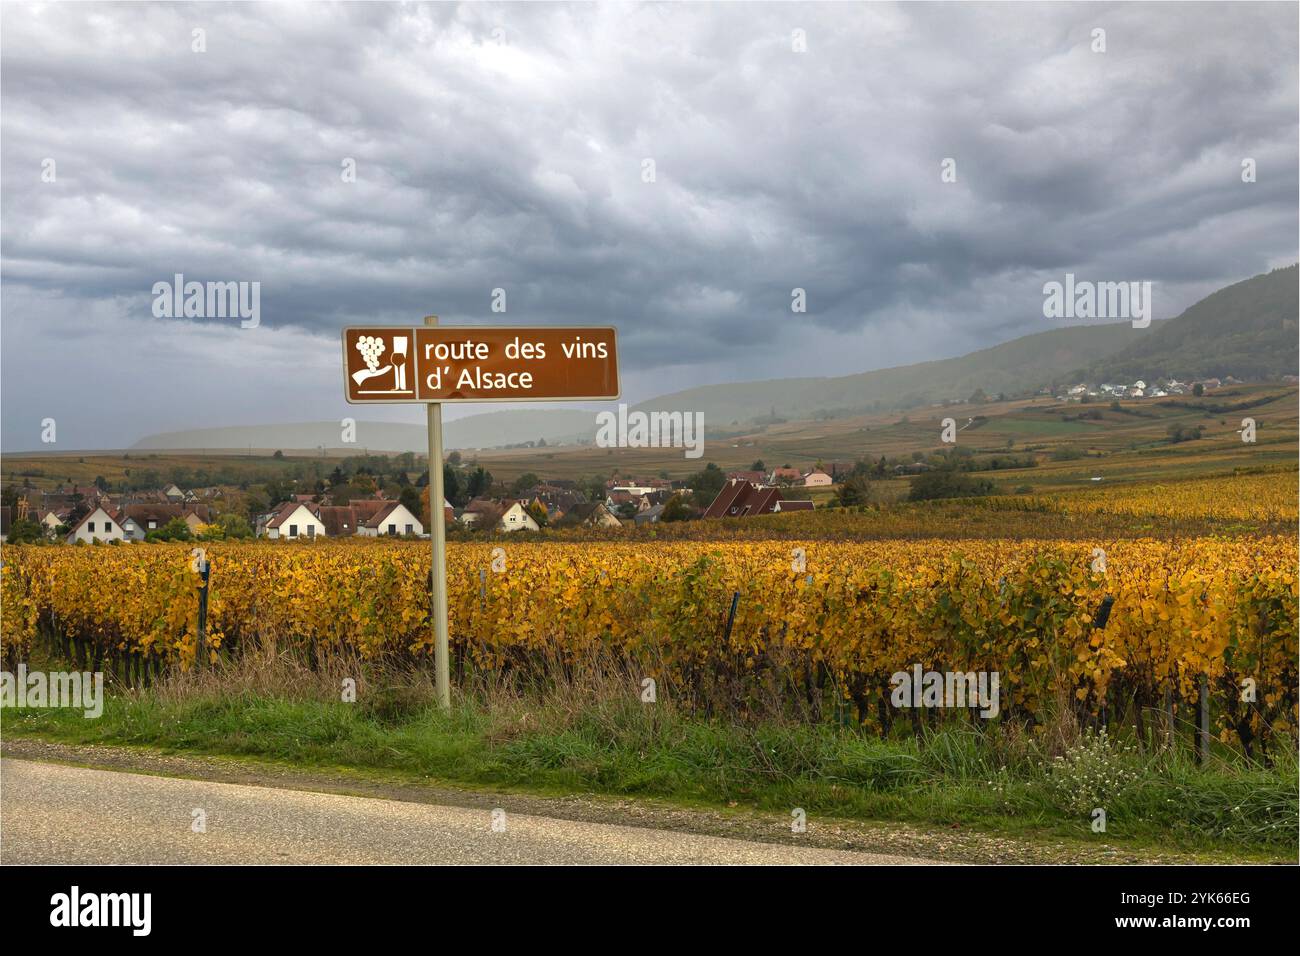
{"points": [[371, 348]]}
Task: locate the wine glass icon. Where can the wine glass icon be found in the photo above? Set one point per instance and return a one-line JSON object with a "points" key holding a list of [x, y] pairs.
{"points": [[399, 362]]}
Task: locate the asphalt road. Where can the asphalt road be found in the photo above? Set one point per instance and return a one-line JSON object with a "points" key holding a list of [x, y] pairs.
{"points": [[50, 813]]}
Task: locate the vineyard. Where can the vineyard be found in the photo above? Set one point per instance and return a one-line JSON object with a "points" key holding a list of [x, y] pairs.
{"points": [[1266, 496], [811, 623]]}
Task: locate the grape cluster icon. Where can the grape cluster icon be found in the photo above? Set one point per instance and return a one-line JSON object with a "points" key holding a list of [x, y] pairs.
{"points": [[371, 347]]}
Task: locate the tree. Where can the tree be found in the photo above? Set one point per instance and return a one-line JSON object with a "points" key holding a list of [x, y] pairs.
{"points": [[454, 459], [480, 480], [174, 530], [451, 486], [425, 514], [411, 499], [279, 455], [854, 490], [707, 483], [256, 506], [235, 526], [1198, 389], [593, 488], [278, 492], [758, 466], [947, 483], [538, 514], [523, 483], [1181, 433], [25, 531], [101, 483], [675, 509]]}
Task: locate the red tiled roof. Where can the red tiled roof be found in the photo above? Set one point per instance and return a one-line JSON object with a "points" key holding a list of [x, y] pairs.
{"points": [[339, 520], [739, 499], [379, 517], [366, 507], [287, 509], [796, 506], [730, 493]]}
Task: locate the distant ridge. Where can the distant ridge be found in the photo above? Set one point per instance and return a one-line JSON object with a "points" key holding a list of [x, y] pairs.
{"points": [[488, 430], [1014, 367]]}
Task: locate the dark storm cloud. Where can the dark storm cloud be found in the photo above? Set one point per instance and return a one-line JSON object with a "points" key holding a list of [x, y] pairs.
{"points": [[501, 146]]}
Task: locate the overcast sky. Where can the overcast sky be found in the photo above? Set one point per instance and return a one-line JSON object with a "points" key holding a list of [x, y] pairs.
{"points": [[503, 146]]}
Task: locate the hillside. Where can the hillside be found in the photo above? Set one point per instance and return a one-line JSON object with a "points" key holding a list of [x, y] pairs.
{"points": [[1014, 367], [1247, 330]]}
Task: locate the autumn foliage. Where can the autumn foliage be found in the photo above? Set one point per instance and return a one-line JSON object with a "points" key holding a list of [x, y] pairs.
{"points": [[816, 617]]}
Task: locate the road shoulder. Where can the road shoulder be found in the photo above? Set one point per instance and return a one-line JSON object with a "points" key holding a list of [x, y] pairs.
{"points": [[952, 845]]}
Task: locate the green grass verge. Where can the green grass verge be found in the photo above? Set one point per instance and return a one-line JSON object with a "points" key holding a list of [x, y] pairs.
{"points": [[952, 776]]}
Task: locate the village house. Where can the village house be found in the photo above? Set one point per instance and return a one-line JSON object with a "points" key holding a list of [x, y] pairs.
{"points": [[556, 499], [739, 499], [591, 514], [395, 519], [817, 479], [293, 520], [131, 530], [516, 518], [617, 499], [476, 508], [513, 516], [96, 525], [785, 476], [650, 516], [51, 521], [139, 519], [637, 486]]}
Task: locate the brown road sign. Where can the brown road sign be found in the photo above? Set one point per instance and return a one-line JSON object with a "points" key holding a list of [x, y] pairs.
{"points": [[478, 363]]}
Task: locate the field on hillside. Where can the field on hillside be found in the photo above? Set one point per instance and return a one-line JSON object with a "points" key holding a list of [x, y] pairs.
{"points": [[1127, 444], [1131, 442]]}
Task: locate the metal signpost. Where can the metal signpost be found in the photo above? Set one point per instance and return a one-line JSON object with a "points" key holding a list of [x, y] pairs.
{"points": [[471, 363]]}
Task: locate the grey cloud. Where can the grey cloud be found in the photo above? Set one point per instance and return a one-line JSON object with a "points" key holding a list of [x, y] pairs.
{"points": [[516, 164]]}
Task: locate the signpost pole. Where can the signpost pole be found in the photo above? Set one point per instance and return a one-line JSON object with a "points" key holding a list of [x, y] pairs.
{"points": [[438, 544], [483, 364]]}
